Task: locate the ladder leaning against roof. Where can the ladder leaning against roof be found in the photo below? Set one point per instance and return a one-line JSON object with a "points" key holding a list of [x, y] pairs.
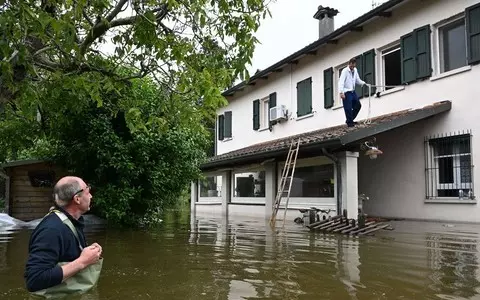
{"points": [[286, 181]]}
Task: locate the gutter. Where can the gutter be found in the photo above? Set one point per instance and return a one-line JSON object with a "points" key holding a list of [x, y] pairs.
{"points": [[266, 155], [339, 178]]}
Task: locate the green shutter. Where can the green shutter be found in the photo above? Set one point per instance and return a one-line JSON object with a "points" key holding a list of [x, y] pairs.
{"points": [[328, 88], [368, 71], [423, 54], [472, 14], [408, 50], [272, 102], [221, 126], [304, 97], [228, 124], [256, 114], [358, 89]]}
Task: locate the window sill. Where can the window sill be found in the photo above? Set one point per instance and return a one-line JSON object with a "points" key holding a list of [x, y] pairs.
{"points": [[262, 129], [304, 117], [208, 203], [451, 72], [227, 139], [338, 106], [391, 91], [451, 201]]}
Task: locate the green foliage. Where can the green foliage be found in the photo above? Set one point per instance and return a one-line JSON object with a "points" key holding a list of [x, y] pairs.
{"points": [[122, 93], [193, 47]]}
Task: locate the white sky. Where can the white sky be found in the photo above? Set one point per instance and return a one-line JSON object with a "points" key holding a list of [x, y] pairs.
{"points": [[292, 27]]}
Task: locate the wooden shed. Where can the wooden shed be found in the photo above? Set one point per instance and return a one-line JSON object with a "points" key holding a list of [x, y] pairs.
{"points": [[29, 187]]}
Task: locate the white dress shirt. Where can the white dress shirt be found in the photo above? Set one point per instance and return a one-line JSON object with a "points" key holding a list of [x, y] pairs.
{"points": [[348, 79]]}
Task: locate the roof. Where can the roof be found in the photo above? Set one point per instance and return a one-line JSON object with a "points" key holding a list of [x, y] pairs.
{"points": [[24, 162], [383, 10], [330, 138]]}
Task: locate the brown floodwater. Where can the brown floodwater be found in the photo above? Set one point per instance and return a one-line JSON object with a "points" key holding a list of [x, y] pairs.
{"points": [[209, 258]]}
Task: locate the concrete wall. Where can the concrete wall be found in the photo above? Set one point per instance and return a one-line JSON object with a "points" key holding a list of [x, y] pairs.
{"points": [[377, 34]]}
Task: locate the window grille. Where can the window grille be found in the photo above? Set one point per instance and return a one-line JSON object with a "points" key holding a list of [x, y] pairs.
{"points": [[449, 166]]}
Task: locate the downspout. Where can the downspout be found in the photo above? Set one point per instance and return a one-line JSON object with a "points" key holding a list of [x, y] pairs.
{"points": [[339, 179]]}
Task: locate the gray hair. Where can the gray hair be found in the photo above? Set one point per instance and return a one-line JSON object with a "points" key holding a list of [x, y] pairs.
{"points": [[63, 193]]}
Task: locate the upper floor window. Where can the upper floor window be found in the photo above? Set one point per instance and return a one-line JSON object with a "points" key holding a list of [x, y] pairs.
{"points": [[391, 65], [458, 40], [225, 126], [261, 111], [452, 46]]}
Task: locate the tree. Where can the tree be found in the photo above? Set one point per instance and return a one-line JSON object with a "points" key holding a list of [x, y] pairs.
{"points": [[191, 47], [136, 171]]}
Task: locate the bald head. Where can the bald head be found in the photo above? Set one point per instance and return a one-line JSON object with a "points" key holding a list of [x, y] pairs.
{"points": [[65, 189]]}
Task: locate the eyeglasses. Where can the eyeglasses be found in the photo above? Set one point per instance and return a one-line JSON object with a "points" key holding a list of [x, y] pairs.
{"points": [[82, 190]]}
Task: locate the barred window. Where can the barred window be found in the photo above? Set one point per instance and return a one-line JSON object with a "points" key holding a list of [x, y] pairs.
{"points": [[449, 166]]}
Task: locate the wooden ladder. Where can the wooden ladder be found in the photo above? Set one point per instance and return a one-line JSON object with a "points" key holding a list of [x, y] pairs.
{"points": [[286, 181]]}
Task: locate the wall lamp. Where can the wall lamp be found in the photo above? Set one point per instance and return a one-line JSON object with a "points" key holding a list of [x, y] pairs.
{"points": [[371, 150]]}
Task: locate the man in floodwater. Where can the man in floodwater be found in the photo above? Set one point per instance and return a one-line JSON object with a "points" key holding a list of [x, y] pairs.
{"points": [[59, 261]]}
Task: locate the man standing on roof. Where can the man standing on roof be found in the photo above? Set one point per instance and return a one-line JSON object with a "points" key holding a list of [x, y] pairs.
{"points": [[59, 260], [346, 87]]}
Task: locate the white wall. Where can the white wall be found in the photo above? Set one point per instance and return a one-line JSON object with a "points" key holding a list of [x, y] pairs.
{"points": [[395, 181], [376, 34]]}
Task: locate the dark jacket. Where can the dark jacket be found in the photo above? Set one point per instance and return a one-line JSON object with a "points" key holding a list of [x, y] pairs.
{"points": [[51, 242]]}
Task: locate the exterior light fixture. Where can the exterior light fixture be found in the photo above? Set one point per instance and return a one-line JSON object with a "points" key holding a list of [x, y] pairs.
{"points": [[371, 150]]}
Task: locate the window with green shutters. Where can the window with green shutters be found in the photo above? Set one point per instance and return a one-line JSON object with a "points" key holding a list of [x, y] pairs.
{"points": [[225, 125], [472, 15], [328, 88], [416, 55], [304, 97]]}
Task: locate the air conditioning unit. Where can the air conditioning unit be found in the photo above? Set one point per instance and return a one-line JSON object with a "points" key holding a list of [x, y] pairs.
{"points": [[278, 113]]}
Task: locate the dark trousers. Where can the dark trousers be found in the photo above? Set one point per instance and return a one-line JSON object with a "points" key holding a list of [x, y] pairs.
{"points": [[351, 105]]}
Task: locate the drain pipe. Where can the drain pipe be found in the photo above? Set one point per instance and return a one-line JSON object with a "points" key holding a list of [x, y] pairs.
{"points": [[339, 179]]}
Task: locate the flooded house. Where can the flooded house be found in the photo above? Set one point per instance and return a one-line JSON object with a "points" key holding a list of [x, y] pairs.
{"points": [[412, 151]]}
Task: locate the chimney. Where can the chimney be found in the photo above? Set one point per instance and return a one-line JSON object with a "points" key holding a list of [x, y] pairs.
{"points": [[325, 16]]}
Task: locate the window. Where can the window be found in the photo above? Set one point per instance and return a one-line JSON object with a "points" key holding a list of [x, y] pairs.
{"points": [[313, 181], [304, 97], [225, 126], [458, 40], [449, 167], [210, 186], [261, 111], [265, 113], [249, 184], [392, 66], [452, 45]]}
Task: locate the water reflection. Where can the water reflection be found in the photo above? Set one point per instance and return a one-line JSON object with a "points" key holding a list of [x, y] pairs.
{"points": [[202, 257]]}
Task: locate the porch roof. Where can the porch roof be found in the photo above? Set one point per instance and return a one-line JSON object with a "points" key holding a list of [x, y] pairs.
{"points": [[330, 138]]}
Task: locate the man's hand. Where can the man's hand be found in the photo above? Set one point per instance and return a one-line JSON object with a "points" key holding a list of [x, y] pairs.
{"points": [[342, 95], [89, 256]]}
